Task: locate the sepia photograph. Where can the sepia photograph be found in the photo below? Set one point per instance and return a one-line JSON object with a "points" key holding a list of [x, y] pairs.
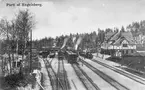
{"points": [[72, 44]]}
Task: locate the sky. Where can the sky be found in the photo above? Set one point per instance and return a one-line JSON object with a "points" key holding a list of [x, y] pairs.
{"points": [[60, 17]]}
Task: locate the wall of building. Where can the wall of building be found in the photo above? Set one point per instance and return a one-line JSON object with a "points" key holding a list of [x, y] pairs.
{"points": [[122, 46]]}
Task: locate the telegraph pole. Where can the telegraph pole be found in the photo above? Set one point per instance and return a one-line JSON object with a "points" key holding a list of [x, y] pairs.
{"points": [[30, 51]]}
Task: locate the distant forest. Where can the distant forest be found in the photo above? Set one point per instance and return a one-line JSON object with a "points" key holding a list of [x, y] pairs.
{"points": [[90, 40]]}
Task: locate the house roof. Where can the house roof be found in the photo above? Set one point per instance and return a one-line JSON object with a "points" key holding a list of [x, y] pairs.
{"points": [[108, 35], [118, 37], [129, 37], [120, 40], [136, 34]]}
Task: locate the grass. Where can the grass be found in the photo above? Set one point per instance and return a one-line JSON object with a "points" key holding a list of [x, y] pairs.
{"points": [[135, 62], [19, 80]]}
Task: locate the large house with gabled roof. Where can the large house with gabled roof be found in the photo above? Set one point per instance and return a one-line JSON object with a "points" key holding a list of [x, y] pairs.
{"points": [[119, 43]]}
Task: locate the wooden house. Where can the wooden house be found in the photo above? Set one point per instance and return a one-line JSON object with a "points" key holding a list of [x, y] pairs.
{"points": [[119, 43]]}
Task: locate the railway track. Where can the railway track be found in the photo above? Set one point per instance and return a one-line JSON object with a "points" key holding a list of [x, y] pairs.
{"points": [[107, 78], [87, 82], [52, 75], [50, 61], [131, 76], [62, 76]]}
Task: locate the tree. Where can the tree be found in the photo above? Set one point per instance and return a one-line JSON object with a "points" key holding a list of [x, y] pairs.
{"points": [[108, 30], [16, 32], [101, 36], [116, 29], [122, 29], [5, 29], [24, 23]]}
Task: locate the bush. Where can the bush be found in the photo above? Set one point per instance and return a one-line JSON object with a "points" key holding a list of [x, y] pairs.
{"points": [[19, 80], [15, 80]]}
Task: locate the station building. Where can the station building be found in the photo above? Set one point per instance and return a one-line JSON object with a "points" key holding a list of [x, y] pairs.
{"points": [[118, 44]]}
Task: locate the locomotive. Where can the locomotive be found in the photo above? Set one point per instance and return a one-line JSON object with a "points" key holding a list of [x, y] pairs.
{"points": [[61, 54], [71, 56], [87, 55]]}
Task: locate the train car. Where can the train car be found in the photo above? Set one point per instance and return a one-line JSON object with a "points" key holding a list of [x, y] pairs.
{"points": [[44, 54], [71, 57], [52, 55], [61, 55], [83, 54], [87, 55]]}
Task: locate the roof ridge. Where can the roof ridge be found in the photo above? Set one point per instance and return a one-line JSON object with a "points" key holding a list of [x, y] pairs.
{"points": [[112, 35], [117, 40]]}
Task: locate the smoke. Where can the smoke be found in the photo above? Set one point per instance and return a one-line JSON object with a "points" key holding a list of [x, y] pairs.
{"points": [[78, 42], [64, 43], [74, 38]]}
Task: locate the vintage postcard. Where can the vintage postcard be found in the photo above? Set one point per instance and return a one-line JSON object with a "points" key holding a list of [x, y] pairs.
{"points": [[72, 44]]}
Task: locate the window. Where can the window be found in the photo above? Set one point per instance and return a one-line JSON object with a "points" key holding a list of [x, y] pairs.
{"points": [[124, 45], [123, 52], [131, 51], [126, 51]]}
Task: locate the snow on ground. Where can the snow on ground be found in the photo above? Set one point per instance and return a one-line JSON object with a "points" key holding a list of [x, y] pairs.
{"points": [[131, 84], [46, 79], [101, 55], [114, 64], [103, 85], [106, 61], [54, 64], [72, 77]]}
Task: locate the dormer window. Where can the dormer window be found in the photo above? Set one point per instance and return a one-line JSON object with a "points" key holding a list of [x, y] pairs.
{"points": [[124, 45]]}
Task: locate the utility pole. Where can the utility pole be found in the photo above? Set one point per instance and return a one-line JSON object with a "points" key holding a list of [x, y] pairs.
{"points": [[30, 51]]}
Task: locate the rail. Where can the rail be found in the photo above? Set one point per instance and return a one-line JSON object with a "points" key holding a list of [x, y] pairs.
{"points": [[62, 76], [129, 75], [107, 78], [87, 82], [52, 75]]}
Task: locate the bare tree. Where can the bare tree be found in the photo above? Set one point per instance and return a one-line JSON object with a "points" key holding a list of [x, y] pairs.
{"points": [[5, 28], [16, 31], [24, 24]]}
